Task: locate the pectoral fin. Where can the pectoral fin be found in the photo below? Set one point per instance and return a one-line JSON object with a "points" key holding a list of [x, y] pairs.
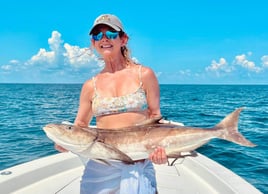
{"points": [[115, 154]]}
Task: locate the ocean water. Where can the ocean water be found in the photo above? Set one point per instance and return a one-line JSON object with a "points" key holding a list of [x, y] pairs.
{"points": [[26, 108]]}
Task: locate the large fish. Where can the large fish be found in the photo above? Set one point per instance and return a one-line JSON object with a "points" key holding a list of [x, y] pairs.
{"points": [[137, 142]]}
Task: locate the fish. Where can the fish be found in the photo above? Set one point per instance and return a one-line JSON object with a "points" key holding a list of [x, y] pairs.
{"points": [[133, 143]]}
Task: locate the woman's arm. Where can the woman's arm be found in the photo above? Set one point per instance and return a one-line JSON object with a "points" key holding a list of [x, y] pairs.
{"points": [[84, 113], [151, 87]]}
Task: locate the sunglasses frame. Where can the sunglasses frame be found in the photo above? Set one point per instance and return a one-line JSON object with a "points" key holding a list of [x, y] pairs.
{"points": [[109, 34]]}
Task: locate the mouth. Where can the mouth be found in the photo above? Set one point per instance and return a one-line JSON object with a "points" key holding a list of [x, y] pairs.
{"points": [[106, 46]]}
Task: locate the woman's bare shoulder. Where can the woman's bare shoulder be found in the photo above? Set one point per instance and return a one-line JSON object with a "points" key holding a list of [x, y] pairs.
{"points": [[88, 86], [147, 73]]}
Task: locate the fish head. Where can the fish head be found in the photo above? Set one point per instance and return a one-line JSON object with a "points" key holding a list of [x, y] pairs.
{"points": [[70, 137]]}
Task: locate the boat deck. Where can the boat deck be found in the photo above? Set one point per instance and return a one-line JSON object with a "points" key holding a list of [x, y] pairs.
{"points": [[61, 174]]}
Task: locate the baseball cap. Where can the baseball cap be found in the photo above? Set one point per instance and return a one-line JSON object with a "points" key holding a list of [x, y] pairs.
{"points": [[109, 20]]}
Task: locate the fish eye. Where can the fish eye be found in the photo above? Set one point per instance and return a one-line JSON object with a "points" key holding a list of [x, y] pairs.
{"points": [[69, 127]]}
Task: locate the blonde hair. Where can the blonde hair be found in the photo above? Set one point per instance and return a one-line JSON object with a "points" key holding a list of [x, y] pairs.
{"points": [[124, 50]]}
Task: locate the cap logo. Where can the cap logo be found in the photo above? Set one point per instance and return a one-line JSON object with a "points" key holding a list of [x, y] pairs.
{"points": [[104, 18]]}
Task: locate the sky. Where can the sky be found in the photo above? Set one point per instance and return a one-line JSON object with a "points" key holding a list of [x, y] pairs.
{"points": [[184, 42]]}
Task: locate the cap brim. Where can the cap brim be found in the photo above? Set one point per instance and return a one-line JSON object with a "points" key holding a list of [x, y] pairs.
{"points": [[105, 23]]}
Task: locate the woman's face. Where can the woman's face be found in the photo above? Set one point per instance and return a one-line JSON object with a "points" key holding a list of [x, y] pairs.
{"points": [[107, 41]]}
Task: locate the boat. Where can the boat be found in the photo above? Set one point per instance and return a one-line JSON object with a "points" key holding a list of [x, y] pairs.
{"points": [[61, 173]]}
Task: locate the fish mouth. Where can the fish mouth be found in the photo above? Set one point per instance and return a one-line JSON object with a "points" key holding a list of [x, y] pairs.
{"points": [[56, 136], [49, 127], [51, 131], [71, 146]]}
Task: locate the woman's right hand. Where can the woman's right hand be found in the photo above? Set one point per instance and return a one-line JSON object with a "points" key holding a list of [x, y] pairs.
{"points": [[59, 148]]}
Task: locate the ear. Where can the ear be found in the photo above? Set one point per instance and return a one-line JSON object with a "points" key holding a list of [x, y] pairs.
{"points": [[124, 40]]}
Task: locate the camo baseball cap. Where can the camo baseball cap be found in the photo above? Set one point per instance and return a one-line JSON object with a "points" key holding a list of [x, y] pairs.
{"points": [[109, 20]]}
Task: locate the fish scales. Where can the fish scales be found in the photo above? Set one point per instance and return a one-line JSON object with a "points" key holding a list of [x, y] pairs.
{"points": [[137, 142]]}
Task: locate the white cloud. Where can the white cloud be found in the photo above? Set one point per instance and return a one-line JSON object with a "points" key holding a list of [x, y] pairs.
{"points": [[218, 67], [215, 66], [55, 41], [245, 63], [264, 60], [241, 68], [64, 54], [6, 67], [11, 66], [186, 72], [61, 59], [14, 61], [43, 56], [240, 60], [78, 57]]}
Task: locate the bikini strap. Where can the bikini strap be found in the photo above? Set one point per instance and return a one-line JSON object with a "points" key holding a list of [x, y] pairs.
{"points": [[140, 75], [94, 85]]}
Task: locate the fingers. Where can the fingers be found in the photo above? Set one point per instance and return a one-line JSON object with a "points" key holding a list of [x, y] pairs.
{"points": [[158, 156]]}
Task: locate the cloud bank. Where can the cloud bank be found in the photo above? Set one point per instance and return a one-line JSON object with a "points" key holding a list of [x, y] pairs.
{"points": [[65, 63], [62, 63], [240, 69]]}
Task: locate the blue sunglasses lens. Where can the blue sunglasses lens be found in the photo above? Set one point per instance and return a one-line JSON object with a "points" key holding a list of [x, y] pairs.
{"points": [[111, 35], [108, 34], [98, 36]]}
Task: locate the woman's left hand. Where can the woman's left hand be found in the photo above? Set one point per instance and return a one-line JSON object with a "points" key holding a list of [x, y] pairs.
{"points": [[158, 156]]}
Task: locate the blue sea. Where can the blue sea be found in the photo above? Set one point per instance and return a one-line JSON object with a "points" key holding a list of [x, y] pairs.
{"points": [[26, 108]]}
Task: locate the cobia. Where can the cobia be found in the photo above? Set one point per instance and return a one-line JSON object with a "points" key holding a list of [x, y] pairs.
{"points": [[137, 142]]}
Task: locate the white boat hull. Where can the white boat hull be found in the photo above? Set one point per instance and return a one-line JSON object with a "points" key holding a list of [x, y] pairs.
{"points": [[61, 174]]}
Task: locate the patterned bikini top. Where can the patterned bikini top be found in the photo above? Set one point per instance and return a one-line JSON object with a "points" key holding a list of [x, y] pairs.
{"points": [[133, 102]]}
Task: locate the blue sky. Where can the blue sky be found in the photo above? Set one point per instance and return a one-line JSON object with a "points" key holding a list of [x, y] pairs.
{"points": [[191, 42]]}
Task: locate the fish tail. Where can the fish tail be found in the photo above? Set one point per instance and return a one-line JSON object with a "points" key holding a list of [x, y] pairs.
{"points": [[230, 132]]}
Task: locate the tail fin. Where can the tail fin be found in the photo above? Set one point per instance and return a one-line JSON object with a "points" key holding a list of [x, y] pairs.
{"points": [[230, 126]]}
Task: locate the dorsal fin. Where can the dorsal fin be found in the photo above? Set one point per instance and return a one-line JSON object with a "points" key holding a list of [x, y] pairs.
{"points": [[150, 121]]}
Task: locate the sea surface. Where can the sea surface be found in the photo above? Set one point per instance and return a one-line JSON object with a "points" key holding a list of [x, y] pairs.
{"points": [[26, 108]]}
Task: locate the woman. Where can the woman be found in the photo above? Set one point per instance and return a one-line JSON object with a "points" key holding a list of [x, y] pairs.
{"points": [[122, 94]]}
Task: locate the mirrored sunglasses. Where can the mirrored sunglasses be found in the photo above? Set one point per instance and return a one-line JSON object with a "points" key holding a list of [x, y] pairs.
{"points": [[108, 34]]}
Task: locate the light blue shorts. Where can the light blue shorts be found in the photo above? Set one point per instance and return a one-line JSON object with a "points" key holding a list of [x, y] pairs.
{"points": [[118, 178]]}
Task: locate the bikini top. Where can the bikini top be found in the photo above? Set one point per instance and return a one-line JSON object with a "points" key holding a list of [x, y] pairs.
{"points": [[133, 102]]}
